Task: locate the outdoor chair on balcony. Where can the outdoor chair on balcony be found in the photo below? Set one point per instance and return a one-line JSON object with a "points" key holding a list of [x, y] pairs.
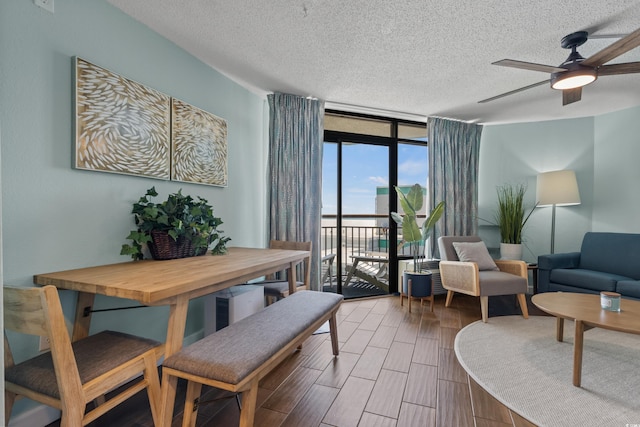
{"points": [[370, 268], [327, 270], [467, 267]]}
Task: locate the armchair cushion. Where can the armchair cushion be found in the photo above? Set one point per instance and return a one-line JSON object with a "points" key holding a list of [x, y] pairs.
{"points": [[501, 283], [475, 252]]}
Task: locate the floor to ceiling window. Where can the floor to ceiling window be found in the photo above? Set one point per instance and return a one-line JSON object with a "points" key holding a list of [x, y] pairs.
{"points": [[364, 157]]}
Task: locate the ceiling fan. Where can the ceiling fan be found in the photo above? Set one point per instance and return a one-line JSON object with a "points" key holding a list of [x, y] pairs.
{"points": [[576, 71]]}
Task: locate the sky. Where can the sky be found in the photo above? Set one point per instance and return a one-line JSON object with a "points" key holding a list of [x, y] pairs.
{"points": [[365, 167]]}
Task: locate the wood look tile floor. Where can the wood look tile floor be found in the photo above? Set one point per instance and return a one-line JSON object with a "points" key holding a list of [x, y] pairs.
{"points": [[395, 368]]}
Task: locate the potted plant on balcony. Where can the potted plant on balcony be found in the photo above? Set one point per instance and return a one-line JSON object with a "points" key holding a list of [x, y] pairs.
{"points": [[511, 219], [178, 227], [416, 237]]}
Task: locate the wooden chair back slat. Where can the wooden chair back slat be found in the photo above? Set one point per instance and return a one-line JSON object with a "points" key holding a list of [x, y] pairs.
{"points": [[24, 311]]}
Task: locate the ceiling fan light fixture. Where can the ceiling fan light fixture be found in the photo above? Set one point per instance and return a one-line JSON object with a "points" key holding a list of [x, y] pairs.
{"points": [[573, 78]]}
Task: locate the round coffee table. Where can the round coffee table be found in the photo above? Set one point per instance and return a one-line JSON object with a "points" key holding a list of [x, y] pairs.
{"points": [[585, 310]]}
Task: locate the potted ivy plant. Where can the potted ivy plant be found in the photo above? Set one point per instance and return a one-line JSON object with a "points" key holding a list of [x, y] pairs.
{"points": [[178, 227], [416, 236], [511, 219]]}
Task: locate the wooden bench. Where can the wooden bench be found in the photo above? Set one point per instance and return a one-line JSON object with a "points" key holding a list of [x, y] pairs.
{"points": [[237, 357]]}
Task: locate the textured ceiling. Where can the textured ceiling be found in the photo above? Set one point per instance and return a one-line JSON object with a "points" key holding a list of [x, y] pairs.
{"points": [[408, 58]]}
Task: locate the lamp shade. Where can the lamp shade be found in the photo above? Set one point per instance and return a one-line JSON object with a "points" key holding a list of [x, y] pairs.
{"points": [[558, 188]]}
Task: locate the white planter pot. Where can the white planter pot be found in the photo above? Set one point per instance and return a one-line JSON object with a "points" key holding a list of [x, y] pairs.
{"points": [[511, 251]]}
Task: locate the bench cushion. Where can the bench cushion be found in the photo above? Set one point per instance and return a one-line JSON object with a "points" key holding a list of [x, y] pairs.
{"points": [[232, 353]]}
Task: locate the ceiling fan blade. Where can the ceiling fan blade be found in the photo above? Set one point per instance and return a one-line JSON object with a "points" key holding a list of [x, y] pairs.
{"points": [[614, 50], [528, 66], [613, 69], [502, 95], [570, 96]]}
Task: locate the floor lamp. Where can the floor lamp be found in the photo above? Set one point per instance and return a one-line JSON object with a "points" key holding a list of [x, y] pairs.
{"points": [[557, 188]]}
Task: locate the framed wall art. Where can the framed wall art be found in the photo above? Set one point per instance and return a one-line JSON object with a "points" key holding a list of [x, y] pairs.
{"points": [[121, 126], [198, 145]]}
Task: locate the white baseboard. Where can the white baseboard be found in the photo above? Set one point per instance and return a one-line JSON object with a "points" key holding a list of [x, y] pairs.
{"points": [[43, 415]]}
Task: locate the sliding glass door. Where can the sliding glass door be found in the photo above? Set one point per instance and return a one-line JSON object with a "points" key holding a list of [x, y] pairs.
{"points": [[362, 162], [355, 212]]}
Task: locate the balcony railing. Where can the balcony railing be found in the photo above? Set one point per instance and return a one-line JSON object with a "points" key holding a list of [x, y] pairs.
{"points": [[358, 238], [360, 234]]}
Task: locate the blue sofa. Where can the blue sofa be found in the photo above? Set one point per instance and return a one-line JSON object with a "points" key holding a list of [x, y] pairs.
{"points": [[606, 262]]}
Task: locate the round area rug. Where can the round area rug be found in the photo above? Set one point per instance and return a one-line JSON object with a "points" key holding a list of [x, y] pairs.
{"points": [[519, 362]]}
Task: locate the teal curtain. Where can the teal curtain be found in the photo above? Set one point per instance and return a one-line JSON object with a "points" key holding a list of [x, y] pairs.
{"points": [[454, 149], [296, 136]]}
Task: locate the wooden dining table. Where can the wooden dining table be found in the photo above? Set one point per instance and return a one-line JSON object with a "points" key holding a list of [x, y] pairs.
{"points": [[170, 282]]}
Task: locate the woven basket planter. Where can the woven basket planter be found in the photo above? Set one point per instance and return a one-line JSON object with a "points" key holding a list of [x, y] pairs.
{"points": [[162, 246]]}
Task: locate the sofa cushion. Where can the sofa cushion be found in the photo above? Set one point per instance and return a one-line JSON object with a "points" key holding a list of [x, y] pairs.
{"points": [[616, 253], [586, 279], [475, 252], [629, 288]]}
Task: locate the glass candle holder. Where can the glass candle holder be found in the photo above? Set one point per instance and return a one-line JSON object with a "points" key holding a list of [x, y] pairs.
{"points": [[610, 301]]}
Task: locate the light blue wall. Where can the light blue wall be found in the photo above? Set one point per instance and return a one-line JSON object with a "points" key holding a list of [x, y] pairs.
{"points": [[617, 172], [57, 218], [516, 153], [604, 152]]}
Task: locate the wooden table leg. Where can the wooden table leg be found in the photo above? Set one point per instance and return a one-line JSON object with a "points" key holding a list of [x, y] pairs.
{"points": [[82, 322], [291, 274], [560, 329], [577, 353], [176, 326], [173, 344]]}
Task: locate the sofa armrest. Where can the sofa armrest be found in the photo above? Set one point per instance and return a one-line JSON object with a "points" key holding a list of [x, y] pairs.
{"points": [[546, 263], [565, 260], [460, 277]]}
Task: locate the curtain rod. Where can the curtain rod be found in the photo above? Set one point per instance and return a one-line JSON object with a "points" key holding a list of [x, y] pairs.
{"points": [[330, 105]]}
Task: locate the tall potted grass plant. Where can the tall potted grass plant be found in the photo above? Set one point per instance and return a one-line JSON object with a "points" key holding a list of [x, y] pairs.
{"points": [[511, 218]]}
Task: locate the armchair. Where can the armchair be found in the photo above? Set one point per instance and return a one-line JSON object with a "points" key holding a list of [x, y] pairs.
{"points": [[473, 272]]}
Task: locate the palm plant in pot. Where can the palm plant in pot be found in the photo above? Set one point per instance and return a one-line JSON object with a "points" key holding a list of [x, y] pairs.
{"points": [[416, 236], [178, 227], [511, 219]]}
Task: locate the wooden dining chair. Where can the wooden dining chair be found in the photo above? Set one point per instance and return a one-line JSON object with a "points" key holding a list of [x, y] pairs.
{"points": [[72, 375], [275, 289]]}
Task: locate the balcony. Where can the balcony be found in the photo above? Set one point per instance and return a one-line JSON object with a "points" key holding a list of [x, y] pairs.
{"points": [[364, 253]]}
